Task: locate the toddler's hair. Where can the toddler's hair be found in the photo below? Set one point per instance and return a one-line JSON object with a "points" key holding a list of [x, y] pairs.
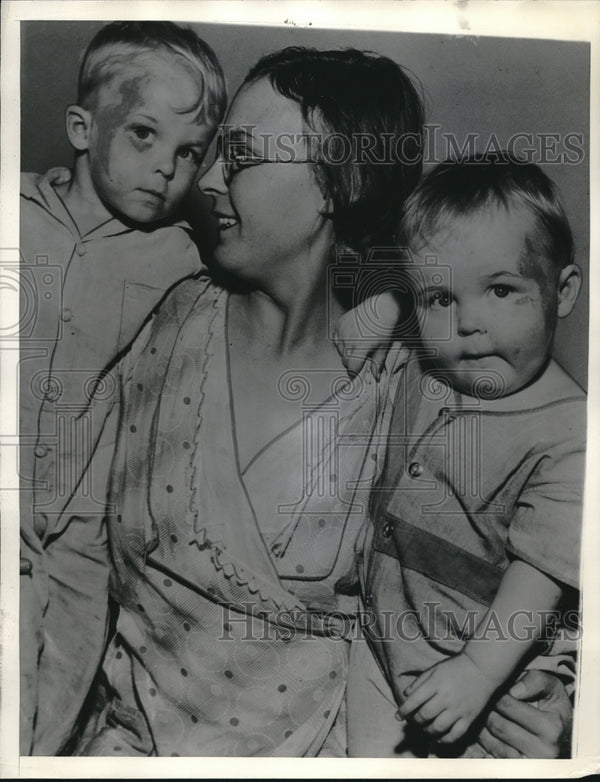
{"points": [[113, 47], [494, 180]]}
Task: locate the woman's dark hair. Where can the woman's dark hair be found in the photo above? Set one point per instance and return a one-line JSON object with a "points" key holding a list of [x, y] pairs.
{"points": [[368, 118]]}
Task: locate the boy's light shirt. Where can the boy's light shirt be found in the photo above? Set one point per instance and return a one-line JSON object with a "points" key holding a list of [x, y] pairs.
{"points": [[84, 299], [93, 294]]}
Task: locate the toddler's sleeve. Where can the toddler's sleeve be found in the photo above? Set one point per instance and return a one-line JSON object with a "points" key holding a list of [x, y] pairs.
{"points": [[546, 528]]}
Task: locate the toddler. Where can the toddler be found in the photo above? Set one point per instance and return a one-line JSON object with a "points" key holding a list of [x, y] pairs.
{"points": [[105, 242], [475, 531]]}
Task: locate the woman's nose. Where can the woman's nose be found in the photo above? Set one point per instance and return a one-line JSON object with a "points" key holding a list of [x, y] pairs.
{"points": [[213, 181]]}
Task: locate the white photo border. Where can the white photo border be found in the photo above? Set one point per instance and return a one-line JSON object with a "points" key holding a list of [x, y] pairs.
{"points": [[561, 20]]}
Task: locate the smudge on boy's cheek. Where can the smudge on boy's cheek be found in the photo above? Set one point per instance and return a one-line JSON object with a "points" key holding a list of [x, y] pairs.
{"points": [[112, 117]]}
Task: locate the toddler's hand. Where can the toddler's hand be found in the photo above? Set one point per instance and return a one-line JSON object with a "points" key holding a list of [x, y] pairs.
{"points": [[365, 332], [447, 698]]}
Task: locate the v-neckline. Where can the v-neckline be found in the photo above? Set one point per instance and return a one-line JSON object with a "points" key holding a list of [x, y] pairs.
{"points": [[234, 436]]}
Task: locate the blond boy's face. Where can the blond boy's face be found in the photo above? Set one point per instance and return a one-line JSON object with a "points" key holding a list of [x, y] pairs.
{"points": [[488, 312], [147, 139]]}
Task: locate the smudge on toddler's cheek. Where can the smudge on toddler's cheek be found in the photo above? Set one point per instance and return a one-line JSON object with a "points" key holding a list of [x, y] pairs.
{"points": [[529, 300]]}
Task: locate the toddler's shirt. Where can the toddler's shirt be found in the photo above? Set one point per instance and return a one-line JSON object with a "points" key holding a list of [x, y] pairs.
{"points": [[467, 485]]}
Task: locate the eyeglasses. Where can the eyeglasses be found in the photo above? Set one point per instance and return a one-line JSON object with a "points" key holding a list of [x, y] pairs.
{"points": [[235, 161]]}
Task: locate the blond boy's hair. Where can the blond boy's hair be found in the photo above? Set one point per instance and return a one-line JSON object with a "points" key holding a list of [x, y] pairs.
{"points": [[114, 46]]}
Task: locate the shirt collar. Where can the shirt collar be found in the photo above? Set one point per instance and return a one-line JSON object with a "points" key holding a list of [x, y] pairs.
{"points": [[553, 385], [41, 189]]}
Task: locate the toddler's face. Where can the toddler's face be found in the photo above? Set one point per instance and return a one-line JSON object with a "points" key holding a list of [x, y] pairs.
{"points": [[488, 311], [147, 139]]}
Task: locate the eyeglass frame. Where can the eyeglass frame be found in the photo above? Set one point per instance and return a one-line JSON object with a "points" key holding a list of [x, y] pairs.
{"points": [[249, 162]]}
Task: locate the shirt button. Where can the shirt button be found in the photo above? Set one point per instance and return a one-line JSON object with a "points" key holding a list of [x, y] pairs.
{"points": [[369, 600], [387, 530], [80, 249], [66, 315], [41, 450], [25, 567], [415, 469]]}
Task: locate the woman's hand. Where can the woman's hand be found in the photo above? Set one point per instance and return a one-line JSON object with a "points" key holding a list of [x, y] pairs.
{"points": [[517, 729], [365, 333]]}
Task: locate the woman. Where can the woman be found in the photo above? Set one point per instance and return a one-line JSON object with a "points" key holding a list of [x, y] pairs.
{"points": [[239, 475]]}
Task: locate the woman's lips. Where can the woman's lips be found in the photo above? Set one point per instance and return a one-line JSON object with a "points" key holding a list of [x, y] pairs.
{"points": [[225, 221], [478, 356], [157, 194]]}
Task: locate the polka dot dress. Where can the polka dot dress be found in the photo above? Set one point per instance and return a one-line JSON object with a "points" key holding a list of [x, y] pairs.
{"points": [[235, 591]]}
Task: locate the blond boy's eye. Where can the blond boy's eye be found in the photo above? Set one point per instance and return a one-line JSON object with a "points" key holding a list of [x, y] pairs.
{"points": [[501, 291], [186, 153]]}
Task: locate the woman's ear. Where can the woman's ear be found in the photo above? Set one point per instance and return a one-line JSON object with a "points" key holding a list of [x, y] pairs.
{"points": [[78, 122], [569, 284], [323, 185], [327, 208]]}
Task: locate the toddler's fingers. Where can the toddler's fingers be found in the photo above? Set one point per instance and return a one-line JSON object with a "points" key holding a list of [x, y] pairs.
{"points": [[416, 701], [418, 681], [456, 732], [441, 724], [429, 712]]}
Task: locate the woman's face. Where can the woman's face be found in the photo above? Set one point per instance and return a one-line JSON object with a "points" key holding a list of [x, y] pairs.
{"points": [[271, 221]]}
